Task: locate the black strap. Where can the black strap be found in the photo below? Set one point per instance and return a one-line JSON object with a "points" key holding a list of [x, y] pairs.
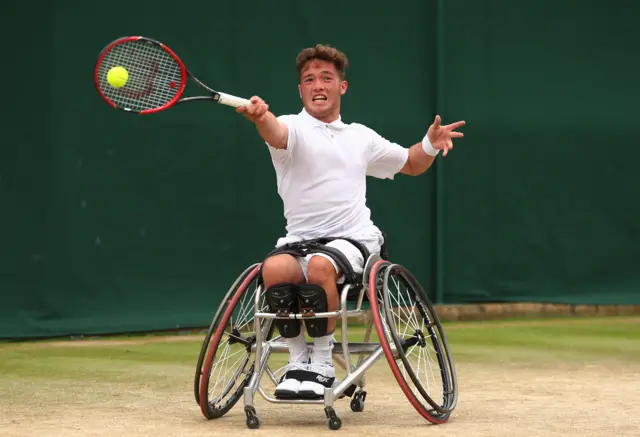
{"points": [[318, 245]]}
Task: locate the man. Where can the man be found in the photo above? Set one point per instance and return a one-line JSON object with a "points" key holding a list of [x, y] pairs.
{"points": [[321, 165]]}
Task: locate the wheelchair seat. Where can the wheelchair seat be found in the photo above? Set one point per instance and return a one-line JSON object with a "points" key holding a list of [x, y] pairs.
{"points": [[319, 245]]}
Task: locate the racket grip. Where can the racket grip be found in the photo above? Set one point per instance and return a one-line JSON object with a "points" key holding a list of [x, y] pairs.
{"points": [[229, 100]]}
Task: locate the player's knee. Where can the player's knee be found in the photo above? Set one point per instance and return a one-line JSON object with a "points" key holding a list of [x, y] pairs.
{"points": [[282, 300], [279, 269], [321, 271], [313, 300]]}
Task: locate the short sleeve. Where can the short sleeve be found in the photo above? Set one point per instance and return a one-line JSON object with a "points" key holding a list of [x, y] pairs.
{"points": [[385, 158], [292, 137]]}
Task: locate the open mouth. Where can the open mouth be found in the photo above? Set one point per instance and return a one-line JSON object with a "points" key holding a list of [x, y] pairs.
{"points": [[319, 97]]}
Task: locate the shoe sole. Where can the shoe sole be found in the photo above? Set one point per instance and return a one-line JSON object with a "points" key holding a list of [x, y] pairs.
{"points": [[309, 395], [286, 394]]}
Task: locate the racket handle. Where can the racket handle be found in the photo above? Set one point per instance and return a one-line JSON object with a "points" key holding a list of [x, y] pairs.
{"points": [[229, 100]]}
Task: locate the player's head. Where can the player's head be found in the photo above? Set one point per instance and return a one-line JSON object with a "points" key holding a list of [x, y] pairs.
{"points": [[321, 70]]}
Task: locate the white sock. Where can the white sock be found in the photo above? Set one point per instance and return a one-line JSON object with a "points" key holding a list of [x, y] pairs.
{"points": [[298, 351], [323, 350]]}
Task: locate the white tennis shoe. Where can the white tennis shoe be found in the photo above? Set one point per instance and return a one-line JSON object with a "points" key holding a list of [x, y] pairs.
{"points": [[290, 383], [316, 379]]}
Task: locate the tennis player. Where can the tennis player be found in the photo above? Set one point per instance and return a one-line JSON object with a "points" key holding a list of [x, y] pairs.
{"points": [[321, 164]]}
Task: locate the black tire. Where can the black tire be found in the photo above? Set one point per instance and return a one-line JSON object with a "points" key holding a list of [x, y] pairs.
{"points": [[426, 337], [229, 335], [214, 325]]}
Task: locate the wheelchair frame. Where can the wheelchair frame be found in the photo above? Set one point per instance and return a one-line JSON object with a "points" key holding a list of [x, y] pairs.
{"points": [[354, 382]]}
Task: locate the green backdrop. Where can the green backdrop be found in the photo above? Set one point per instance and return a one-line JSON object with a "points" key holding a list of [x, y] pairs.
{"points": [[112, 222]]}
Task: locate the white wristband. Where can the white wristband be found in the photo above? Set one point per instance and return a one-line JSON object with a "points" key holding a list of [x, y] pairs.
{"points": [[428, 148]]}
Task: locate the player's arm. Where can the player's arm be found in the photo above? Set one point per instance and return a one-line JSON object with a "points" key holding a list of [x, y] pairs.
{"points": [[269, 127], [418, 161], [422, 154]]}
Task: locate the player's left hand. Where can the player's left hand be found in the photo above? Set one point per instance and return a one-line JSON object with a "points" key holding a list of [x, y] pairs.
{"points": [[441, 137]]}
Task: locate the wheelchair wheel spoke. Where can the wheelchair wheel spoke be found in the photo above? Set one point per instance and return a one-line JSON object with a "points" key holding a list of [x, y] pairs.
{"points": [[422, 363], [228, 366], [223, 378]]}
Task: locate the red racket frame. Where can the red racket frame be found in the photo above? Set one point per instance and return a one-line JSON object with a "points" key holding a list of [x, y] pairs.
{"points": [[183, 70]]}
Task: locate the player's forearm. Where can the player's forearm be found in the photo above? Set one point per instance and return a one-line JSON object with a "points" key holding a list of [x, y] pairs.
{"points": [[272, 131], [419, 161]]}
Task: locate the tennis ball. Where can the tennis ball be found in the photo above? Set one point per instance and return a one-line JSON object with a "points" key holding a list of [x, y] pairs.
{"points": [[117, 77]]}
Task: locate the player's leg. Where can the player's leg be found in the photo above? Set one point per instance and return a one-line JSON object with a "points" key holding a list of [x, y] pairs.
{"points": [[279, 272], [323, 275]]}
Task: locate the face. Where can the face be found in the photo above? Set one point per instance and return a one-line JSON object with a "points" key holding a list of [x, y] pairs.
{"points": [[320, 90]]}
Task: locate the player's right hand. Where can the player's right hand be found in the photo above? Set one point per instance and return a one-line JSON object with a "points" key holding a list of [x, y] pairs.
{"points": [[255, 111]]}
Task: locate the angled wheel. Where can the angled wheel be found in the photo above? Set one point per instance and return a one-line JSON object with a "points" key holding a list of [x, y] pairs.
{"points": [[214, 324], [413, 341], [228, 362]]}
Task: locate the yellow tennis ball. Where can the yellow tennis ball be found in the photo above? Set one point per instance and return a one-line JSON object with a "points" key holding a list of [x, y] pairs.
{"points": [[117, 77]]}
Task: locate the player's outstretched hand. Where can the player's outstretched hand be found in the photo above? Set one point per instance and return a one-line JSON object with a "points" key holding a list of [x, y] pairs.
{"points": [[441, 137], [256, 111]]}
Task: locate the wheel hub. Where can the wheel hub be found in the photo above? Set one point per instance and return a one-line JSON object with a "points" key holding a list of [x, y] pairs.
{"points": [[422, 341]]}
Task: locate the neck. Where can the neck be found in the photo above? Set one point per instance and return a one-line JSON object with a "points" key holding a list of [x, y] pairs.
{"points": [[326, 118]]}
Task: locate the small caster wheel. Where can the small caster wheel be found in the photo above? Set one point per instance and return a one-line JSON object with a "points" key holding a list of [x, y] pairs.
{"points": [[357, 403], [253, 422], [333, 420], [252, 418]]}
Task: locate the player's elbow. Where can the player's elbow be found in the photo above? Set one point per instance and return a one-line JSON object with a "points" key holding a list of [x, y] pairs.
{"points": [[410, 169], [274, 133], [280, 141]]}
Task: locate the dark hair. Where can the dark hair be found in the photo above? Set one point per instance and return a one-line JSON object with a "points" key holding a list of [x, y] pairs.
{"points": [[323, 53]]}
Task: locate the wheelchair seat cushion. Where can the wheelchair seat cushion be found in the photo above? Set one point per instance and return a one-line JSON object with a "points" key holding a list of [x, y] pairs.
{"points": [[321, 246]]}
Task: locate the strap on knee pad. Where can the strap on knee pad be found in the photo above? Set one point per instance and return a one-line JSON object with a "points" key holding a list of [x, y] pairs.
{"points": [[282, 300], [313, 299]]}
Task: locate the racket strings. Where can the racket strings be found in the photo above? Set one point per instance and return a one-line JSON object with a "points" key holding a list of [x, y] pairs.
{"points": [[154, 75]]}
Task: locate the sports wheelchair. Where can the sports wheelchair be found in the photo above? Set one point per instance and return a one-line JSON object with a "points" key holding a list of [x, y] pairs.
{"points": [[235, 355]]}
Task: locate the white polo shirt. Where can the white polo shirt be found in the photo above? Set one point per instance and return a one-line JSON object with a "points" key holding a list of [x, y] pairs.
{"points": [[321, 176]]}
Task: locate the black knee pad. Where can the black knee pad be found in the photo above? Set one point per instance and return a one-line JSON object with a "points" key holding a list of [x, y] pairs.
{"points": [[282, 300], [313, 299]]}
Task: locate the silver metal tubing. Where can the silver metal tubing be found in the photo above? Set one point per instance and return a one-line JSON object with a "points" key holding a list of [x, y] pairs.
{"points": [[345, 342], [294, 316], [273, 400], [354, 348], [360, 370]]}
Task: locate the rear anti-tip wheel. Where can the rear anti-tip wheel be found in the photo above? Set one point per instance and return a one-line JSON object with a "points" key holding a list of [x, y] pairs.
{"points": [[413, 341], [357, 403]]}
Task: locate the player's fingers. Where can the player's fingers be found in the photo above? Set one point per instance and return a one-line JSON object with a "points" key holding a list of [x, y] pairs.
{"points": [[255, 100], [455, 125], [457, 135], [251, 109], [262, 117], [261, 109], [436, 122]]}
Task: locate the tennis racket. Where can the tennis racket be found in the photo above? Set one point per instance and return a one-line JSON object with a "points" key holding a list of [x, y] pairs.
{"points": [[148, 77]]}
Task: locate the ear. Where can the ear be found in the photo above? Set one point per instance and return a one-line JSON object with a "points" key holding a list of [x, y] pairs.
{"points": [[299, 90], [343, 87]]}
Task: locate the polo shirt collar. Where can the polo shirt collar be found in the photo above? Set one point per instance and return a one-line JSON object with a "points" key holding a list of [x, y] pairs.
{"points": [[337, 124]]}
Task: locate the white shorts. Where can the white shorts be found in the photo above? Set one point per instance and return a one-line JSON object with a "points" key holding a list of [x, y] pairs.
{"points": [[351, 252]]}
